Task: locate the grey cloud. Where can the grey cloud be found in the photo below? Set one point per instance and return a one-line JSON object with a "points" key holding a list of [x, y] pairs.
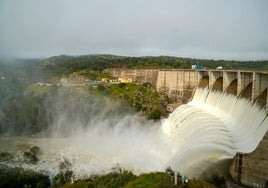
{"points": [[206, 29]]}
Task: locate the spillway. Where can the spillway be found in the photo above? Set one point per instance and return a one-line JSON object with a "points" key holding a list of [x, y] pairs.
{"points": [[196, 137], [211, 128]]}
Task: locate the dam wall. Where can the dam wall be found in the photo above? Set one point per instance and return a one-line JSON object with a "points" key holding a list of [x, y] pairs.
{"points": [[246, 84], [179, 84], [252, 169]]}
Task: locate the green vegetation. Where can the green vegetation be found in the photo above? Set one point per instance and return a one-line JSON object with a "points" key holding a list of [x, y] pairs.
{"points": [[5, 156], [128, 180], [64, 65], [92, 74], [155, 114], [19, 177], [199, 184], [140, 96], [37, 90], [158, 179], [62, 178], [113, 180]]}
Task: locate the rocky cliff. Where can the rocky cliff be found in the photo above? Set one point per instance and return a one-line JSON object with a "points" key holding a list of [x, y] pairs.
{"points": [[252, 169]]}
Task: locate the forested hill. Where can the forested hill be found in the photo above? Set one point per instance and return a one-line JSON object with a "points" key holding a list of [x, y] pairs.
{"points": [[67, 64]]}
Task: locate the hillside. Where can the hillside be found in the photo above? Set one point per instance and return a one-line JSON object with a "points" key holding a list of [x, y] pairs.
{"points": [[62, 65]]}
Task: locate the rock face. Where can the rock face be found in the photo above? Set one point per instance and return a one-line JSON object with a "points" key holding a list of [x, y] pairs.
{"points": [[252, 169]]}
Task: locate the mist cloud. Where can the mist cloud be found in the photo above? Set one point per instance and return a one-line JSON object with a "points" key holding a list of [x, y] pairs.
{"points": [[201, 29]]}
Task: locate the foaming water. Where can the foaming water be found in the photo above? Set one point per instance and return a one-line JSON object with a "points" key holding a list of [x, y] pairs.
{"points": [[131, 143], [211, 128]]}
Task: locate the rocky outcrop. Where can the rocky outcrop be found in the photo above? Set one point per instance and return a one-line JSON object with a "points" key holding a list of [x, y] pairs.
{"points": [[252, 169]]}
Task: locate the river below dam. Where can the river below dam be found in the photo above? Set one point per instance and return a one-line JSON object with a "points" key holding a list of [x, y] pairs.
{"points": [[194, 139]]}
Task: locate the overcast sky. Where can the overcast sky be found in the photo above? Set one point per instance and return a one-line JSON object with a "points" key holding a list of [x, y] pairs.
{"points": [[214, 29]]}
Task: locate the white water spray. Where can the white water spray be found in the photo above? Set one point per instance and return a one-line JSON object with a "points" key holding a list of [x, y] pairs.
{"points": [[211, 128]]}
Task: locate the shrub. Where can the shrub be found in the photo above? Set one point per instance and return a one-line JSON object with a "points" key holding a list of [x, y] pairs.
{"points": [[151, 180], [114, 180], [155, 114], [4, 156], [138, 106], [62, 178], [121, 85], [18, 177], [199, 184], [100, 87]]}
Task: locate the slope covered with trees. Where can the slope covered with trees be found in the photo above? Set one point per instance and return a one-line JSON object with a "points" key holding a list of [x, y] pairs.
{"points": [[68, 64]]}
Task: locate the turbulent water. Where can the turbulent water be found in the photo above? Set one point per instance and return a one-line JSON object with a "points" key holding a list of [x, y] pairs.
{"points": [[210, 129]]}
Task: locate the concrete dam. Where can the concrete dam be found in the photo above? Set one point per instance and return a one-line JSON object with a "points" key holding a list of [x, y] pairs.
{"points": [[180, 84], [248, 167]]}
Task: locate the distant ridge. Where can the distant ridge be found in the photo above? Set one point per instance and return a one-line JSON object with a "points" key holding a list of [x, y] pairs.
{"points": [[104, 61]]}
